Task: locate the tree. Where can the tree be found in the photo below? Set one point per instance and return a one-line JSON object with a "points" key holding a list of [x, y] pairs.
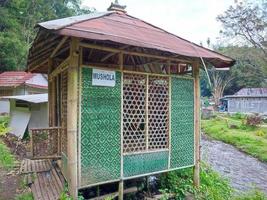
{"points": [[248, 21], [250, 69], [220, 79], [17, 22]]}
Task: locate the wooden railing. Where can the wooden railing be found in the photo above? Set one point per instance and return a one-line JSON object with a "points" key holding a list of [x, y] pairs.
{"points": [[45, 142]]}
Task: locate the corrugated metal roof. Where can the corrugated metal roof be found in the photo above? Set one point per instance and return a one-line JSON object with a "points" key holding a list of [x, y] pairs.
{"points": [[124, 29], [17, 78], [14, 78], [252, 92], [249, 93], [33, 98], [61, 23]]}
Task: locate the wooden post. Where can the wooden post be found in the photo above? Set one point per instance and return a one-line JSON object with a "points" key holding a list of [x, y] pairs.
{"points": [[72, 117], [121, 190], [50, 95], [197, 123]]}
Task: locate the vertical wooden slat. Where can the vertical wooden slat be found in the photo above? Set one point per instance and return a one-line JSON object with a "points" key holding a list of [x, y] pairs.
{"points": [[72, 117], [121, 182], [197, 123], [49, 92]]}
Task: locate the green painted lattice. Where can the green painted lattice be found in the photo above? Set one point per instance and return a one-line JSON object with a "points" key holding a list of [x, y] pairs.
{"points": [[100, 130], [182, 122], [137, 164]]}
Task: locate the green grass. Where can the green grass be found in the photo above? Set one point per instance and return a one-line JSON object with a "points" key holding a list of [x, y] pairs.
{"points": [[25, 196], [6, 158], [252, 195], [212, 186], [252, 140]]}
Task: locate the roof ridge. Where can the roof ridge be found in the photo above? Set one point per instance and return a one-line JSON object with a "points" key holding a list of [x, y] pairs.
{"points": [[85, 17]]}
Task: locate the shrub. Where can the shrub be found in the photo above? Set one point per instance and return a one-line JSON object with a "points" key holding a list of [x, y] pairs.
{"points": [[4, 120], [238, 116], [254, 120], [260, 133]]}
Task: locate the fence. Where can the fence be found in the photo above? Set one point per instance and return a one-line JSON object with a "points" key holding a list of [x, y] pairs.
{"points": [[45, 142]]}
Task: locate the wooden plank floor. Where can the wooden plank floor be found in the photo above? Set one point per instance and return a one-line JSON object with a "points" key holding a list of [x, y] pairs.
{"points": [[44, 179], [28, 166]]}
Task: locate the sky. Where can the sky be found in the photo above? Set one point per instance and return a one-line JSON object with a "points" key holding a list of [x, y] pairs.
{"points": [[194, 20]]}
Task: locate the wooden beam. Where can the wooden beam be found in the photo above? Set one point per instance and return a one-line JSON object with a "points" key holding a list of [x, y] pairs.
{"points": [[45, 41], [121, 61], [114, 50], [133, 60], [197, 123], [59, 68], [63, 40], [112, 54], [72, 118], [30, 69]]}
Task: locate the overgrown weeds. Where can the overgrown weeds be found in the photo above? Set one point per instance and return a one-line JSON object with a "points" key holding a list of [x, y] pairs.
{"points": [[7, 160]]}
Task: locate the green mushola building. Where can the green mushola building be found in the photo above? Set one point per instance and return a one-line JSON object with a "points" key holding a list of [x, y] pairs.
{"points": [[123, 97]]}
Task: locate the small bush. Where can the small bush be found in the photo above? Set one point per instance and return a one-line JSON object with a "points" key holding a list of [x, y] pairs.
{"points": [[260, 133], [254, 120], [238, 116], [4, 120]]}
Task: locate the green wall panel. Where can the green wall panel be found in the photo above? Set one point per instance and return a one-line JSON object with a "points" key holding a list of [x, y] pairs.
{"points": [[100, 130], [138, 164], [182, 122]]}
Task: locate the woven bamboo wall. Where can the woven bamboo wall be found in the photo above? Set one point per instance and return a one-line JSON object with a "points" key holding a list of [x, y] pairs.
{"points": [[100, 130], [150, 104]]}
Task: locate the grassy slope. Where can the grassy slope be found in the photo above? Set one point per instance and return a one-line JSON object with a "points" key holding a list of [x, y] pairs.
{"points": [[250, 140], [6, 158]]}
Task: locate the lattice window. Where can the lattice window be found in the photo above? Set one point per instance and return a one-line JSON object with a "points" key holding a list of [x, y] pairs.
{"points": [[158, 112], [145, 100], [134, 118]]}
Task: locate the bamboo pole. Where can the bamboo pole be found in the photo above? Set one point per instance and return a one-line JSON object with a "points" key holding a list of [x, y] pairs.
{"points": [[72, 117], [197, 123], [121, 190]]}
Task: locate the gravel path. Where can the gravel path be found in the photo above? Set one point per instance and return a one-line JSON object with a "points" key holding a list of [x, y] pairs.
{"points": [[244, 172]]}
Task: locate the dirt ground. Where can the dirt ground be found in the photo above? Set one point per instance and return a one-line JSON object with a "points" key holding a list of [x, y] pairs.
{"points": [[11, 183]]}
